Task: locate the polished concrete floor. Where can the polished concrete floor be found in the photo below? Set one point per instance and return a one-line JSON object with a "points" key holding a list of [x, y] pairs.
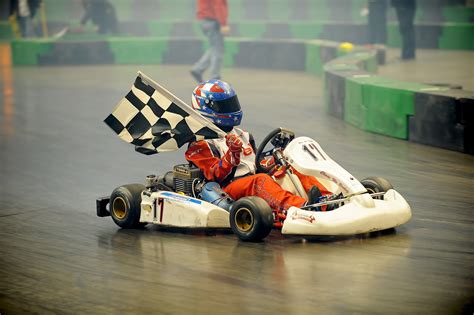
{"points": [[454, 67], [57, 257]]}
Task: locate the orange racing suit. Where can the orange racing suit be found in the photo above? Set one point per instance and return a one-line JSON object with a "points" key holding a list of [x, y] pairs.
{"points": [[239, 178]]}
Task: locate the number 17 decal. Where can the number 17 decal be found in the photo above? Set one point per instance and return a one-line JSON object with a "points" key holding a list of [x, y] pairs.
{"points": [[160, 202]]}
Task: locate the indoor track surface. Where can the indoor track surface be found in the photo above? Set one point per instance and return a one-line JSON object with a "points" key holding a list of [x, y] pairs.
{"points": [[57, 256]]}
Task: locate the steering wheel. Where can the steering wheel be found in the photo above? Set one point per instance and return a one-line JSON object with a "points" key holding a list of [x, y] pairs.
{"points": [[279, 138]]}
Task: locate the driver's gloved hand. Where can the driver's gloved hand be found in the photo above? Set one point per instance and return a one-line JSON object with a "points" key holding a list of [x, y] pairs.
{"points": [[268, 164], [234, 143]]}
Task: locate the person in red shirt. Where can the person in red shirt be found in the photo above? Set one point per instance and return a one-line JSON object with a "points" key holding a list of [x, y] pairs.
{"points": [[213, 16], [230, 161]]}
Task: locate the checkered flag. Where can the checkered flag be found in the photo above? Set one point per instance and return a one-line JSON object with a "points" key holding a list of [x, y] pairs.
{"points": [[154, 120]]}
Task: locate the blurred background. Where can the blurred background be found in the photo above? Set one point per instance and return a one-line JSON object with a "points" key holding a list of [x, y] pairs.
{"points": [[446, 21], [308, 65]]}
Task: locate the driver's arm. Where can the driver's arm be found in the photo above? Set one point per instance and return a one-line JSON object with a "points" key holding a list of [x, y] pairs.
{"points": [[214, 167]]}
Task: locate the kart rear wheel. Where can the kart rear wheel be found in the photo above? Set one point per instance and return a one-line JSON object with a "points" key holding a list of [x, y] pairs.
{"points": [[375, 185], [124, 205], [251, 219]]}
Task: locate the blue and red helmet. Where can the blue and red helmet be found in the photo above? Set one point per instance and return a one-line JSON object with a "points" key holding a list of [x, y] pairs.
{"points": [[217, 101]]}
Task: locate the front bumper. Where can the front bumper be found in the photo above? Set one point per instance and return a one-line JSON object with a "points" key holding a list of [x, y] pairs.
{"points": [[361, 214]]}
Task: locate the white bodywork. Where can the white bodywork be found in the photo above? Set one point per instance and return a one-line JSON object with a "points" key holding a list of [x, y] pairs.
{"points": [[359, 214], [173, 209]]}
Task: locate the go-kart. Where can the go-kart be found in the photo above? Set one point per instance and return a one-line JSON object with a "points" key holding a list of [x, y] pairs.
{"points": [[183, 198]]}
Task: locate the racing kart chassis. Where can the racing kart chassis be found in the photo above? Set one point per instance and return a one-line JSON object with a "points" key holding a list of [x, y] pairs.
{"points": [[178, 200]]}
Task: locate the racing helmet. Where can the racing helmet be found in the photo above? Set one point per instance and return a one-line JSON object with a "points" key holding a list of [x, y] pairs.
{"points": [[217, 101]]}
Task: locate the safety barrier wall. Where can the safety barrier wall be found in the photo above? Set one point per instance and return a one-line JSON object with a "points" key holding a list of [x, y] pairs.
{"points": [[430, 36], [297, 55], [421, 113], [436, 116], [322, 10]]}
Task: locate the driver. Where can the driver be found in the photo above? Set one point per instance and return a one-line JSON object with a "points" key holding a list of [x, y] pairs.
{"points": [[230, 161]]}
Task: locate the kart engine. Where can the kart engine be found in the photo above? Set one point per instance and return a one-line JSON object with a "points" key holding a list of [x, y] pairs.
{"points": [[184, 175]]}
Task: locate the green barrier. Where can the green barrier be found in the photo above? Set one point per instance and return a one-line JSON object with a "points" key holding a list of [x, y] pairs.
{"points": [[236, 9], [252, 29], [278, 10], [393, 35], [457, 36], [379, 104], [232, 48], [138, 50], [60, 10], [318, 10], [306, 30], [176, 9], [460, 14], [26, 52], [123, 9], [160, 29], [6, 32], [314, 64]]}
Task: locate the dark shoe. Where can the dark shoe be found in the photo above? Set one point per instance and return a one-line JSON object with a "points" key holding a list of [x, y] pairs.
{"points": [[334, 205], [197, 76], [330, 206], [314, 195]]}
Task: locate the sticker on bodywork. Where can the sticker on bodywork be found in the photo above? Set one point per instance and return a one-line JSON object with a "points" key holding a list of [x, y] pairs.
{"points": [[303, 216], [181, 198]]}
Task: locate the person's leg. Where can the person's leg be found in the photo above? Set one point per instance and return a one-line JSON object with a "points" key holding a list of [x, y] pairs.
{"points": [[407, 31], [22, 26], [217, 52], [309, 181], [409, 44], [263, 186], [208, 28], [382, 23], [377, 22]]}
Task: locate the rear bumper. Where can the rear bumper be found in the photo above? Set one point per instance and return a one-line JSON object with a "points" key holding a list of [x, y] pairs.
{"points": [[101, 205]]}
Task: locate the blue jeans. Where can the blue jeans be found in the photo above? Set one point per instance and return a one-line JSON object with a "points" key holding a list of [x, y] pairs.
{"points": [[26, 26], [214, 55]]}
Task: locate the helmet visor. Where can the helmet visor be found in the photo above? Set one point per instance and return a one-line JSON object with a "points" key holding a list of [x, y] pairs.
{"points": [[230, 105]]}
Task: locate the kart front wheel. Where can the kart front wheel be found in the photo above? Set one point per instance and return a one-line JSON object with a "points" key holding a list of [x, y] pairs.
{"points": [[376, 184], [124, 205], [251, 219]]}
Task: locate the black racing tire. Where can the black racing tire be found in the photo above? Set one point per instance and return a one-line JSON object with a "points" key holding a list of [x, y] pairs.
{"points": [[376, 184], [251, 219], [125, 206]]}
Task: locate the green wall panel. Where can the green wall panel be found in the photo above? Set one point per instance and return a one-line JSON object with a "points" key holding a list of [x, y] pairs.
{"points": [[236, 10], [306, 30], [457, 36], [160, 29], [26, 52], [278, 10], [460, 14], [138, 50], [314, 64], [6, 32], [380, 105], [232, 48], [252, 29]]}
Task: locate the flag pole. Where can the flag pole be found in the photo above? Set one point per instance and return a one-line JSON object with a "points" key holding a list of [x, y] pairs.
{"points": [[44, 25], [182, 104]]}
